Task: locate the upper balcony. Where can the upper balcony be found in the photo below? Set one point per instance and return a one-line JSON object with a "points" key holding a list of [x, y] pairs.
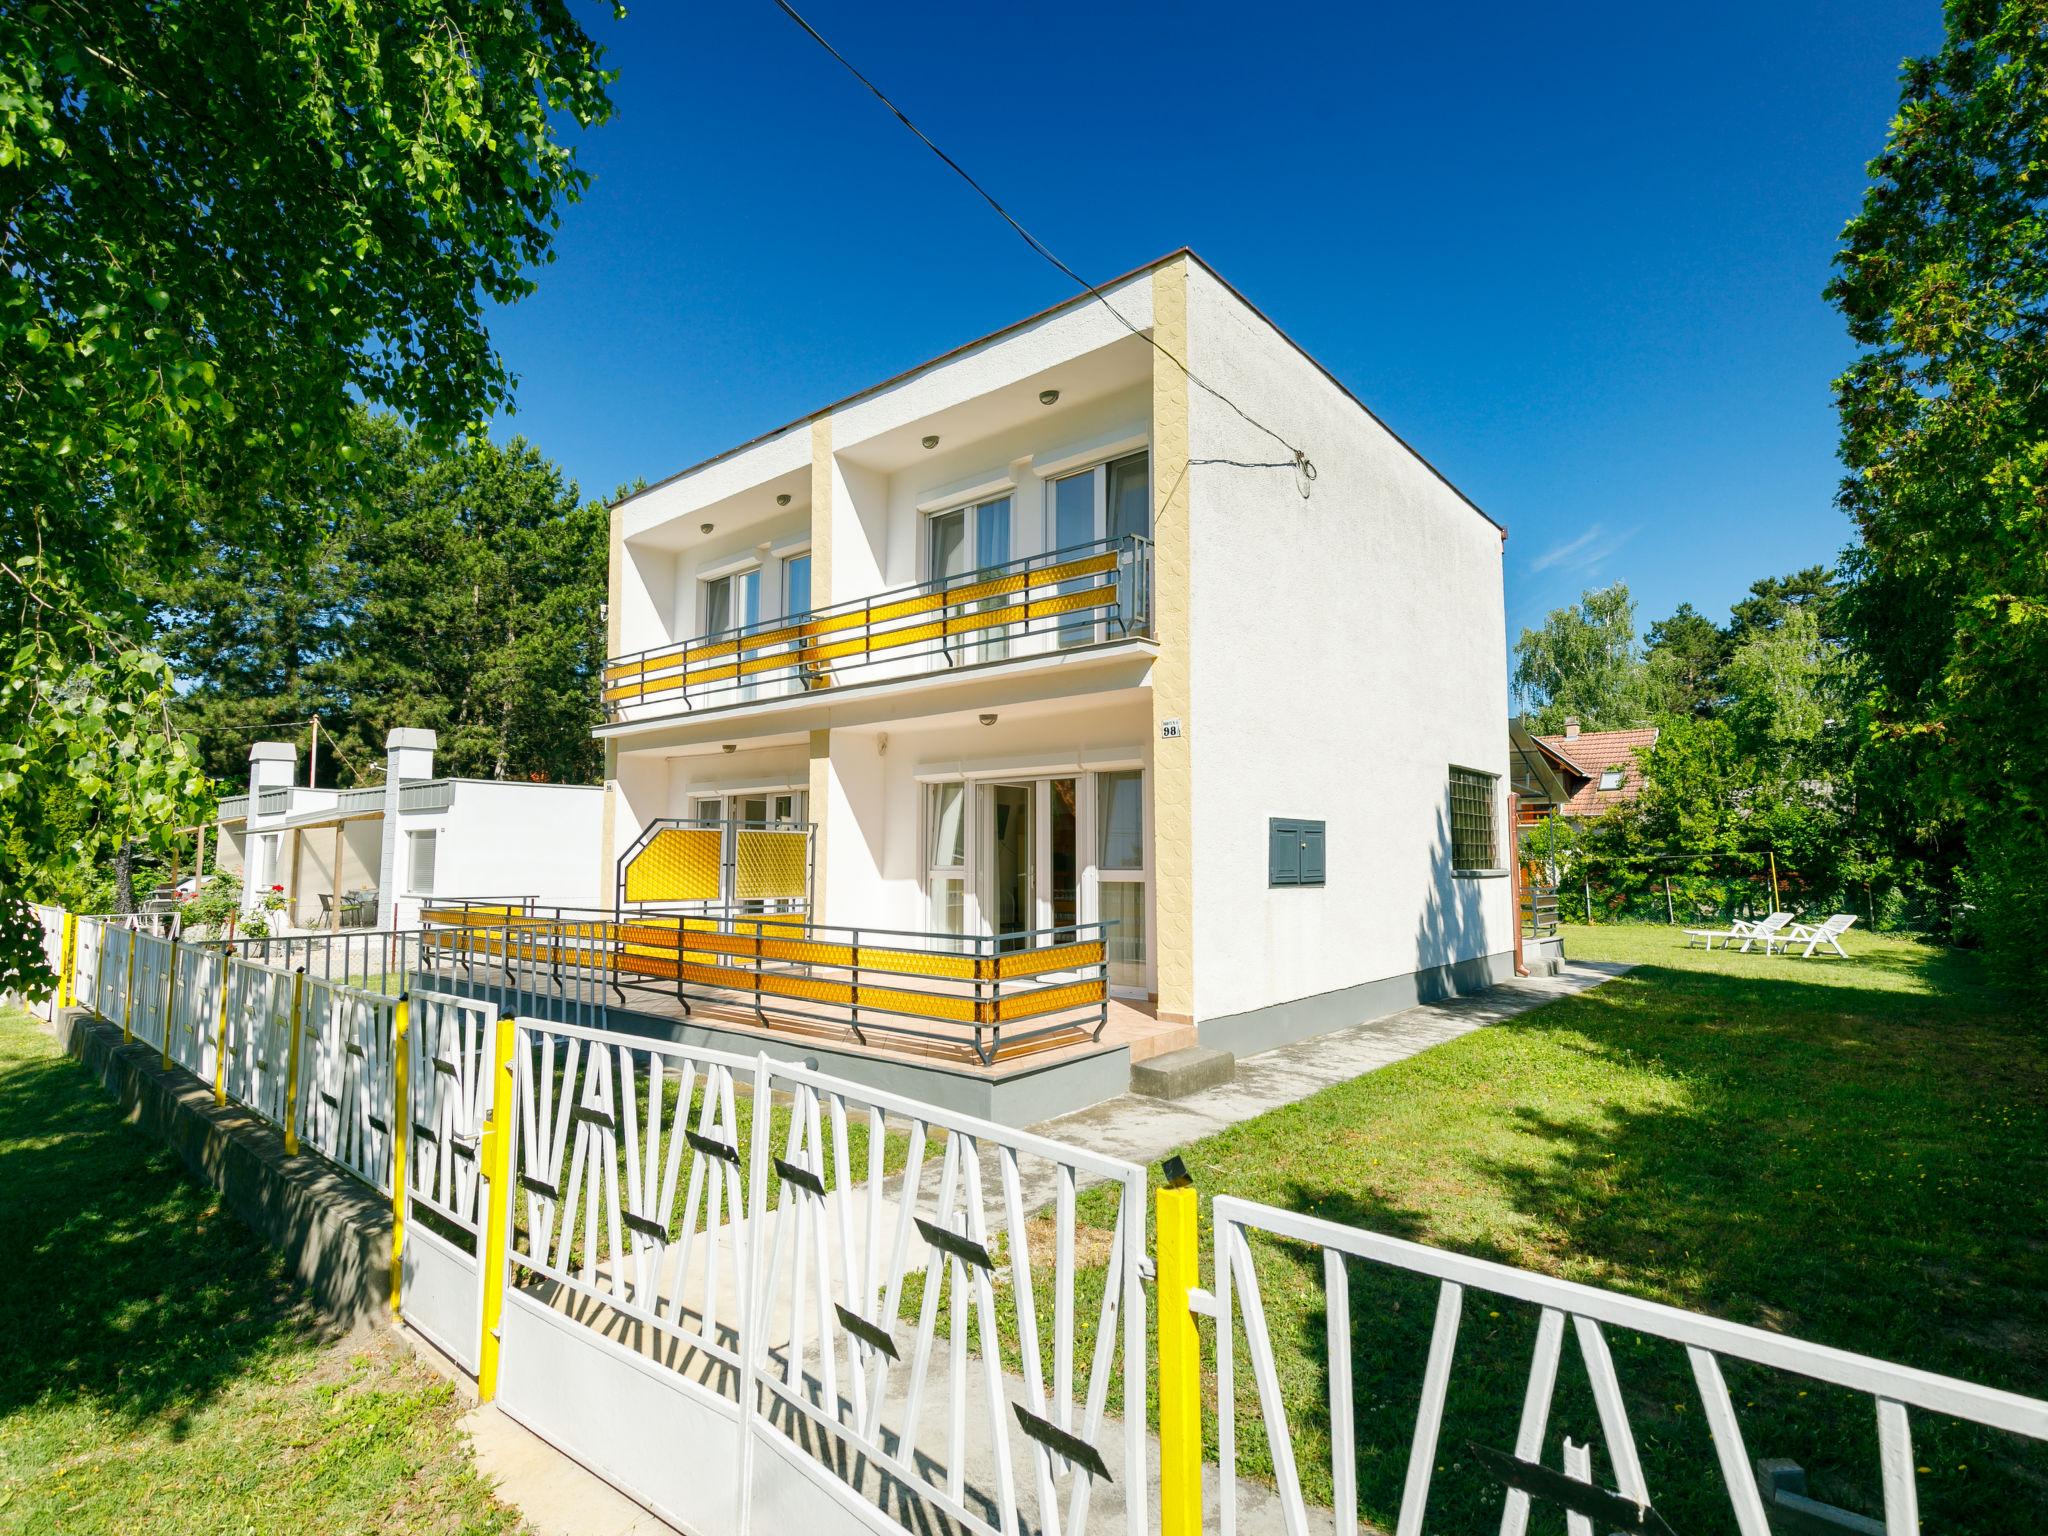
{"points": [[1042, 606]]}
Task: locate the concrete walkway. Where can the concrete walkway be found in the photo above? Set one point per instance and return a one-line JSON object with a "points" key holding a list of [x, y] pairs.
{"points": [[1143, 1130]]}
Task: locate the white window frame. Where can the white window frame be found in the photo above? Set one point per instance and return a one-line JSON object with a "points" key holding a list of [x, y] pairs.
{"points": [[968, 510], [1094, 877], [413, 835], [725, 577], [962, 873], [784, 559], [1089, 875]]}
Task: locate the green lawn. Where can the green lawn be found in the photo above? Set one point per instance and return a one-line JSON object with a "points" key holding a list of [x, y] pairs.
{"points": [[160, 1373], [1852, 1152]]}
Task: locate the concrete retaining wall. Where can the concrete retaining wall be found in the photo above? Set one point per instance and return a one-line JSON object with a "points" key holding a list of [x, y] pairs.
{"points": [[333, 1231]]}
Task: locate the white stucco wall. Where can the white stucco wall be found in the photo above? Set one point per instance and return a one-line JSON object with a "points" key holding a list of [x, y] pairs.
{"points": [[1347, 649], [510, 839]]}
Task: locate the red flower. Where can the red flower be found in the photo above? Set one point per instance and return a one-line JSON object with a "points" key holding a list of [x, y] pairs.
{"points": [[279, 889]]}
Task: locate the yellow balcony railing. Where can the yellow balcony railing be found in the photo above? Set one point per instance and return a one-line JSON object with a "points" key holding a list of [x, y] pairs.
{"points": [[1082, 595]]}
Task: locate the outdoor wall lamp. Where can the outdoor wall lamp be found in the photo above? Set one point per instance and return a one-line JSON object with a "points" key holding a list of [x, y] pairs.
{"points": [[931, 442], [729, 746], [703, 527], [782, 500], [988, 719], [1048, 397]]}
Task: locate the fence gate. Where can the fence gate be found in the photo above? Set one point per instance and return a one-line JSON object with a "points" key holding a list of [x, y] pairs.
{"points": [[758, 1298], [450, 1044]]}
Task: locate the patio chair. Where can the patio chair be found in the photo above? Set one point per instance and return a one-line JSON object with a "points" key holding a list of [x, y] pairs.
{"points": [[1812, 936], [1764, 929]]}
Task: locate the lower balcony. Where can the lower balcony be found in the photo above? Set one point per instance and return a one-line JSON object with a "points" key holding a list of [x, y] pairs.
{"points": [[973, 1001], [1062, 601]]}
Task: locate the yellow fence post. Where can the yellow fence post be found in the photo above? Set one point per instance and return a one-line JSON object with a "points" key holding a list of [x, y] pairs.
{"points": [[220, 1031], [494, 1161], [401, 1122], [1178, 1260], [291, 1073], [67, 950], [128, 992], [170, 998]]}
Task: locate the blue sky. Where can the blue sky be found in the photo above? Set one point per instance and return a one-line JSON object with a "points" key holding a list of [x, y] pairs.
{"points": [[1573, 257]]}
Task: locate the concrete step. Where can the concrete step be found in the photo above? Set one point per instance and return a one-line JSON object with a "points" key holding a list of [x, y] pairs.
{"points": [[1176, 1074]]}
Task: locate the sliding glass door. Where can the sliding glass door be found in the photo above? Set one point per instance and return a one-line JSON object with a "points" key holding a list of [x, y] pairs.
{"points": [[1026, 861]]}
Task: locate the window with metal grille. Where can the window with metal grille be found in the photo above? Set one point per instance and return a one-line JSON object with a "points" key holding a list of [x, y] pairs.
{"points": [[1474, 846]]}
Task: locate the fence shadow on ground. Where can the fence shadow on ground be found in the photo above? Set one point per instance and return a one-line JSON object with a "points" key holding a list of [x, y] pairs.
{"points": [[1860, 1161], [133, 1289]]}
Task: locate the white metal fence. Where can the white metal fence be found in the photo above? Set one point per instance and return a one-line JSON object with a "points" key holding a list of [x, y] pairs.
{"points": [[858, 1312], [1587, 1311], [848, 1286], [347, 1080]]}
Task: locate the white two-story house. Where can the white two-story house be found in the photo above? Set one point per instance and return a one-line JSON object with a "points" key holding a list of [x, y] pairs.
{"points": [[1046, 633]]}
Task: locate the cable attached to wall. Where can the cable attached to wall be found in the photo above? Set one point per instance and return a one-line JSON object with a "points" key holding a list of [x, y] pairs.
{"points": [[1304, 468]]}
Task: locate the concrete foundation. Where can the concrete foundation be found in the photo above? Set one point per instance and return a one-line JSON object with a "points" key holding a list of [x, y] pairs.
{"points": [[334, 1234]]}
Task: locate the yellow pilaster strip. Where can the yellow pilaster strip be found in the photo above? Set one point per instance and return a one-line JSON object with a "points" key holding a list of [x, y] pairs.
{"points": [[67, 951], [494, 1155], [220, 1031], [128, 991], [1178, 1261], [170, 999], [291, 1074], [1173, 879], [401, 1126]]}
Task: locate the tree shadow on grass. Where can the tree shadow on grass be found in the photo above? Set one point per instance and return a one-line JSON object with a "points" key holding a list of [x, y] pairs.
{"points": [[132, 1289], [1859, 1166]]}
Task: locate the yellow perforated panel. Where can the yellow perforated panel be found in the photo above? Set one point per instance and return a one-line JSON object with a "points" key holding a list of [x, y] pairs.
{"points": [[771, 866], [1056, 957], [677, 864], [1027, 1005]]}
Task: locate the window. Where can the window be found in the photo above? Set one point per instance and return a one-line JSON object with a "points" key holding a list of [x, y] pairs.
{"points": [[420, 862], [968, 539], [1294, 852], [1120, 820], [1121, 887], [1610, 778], [946, 855], [732, 602], [1474, 847], [796, 586], [1109, 501]]}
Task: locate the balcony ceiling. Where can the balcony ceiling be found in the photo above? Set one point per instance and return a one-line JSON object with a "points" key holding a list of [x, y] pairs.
{"points": [[751, 507], [897, 422]]}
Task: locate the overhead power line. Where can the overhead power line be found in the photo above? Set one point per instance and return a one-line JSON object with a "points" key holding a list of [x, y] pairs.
{"points": [[1301, 464]]}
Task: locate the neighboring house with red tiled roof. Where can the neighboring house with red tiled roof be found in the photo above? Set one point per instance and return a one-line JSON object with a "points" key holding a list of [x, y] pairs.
{"points": [[1579, 774]]}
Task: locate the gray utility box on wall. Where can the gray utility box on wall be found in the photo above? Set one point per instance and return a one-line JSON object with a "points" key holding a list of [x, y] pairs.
{"points": [[1294, 851]]}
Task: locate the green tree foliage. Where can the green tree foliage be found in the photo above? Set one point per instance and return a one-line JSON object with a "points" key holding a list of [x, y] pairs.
{"points": [[226, 223], [1684, 657], [1943, 280], [1584, 664], [1761, 756], [457, 590]]}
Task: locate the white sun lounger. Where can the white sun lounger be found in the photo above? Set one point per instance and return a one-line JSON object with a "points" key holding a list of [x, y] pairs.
{"points": [[1762, 931], [1812, 936]]}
